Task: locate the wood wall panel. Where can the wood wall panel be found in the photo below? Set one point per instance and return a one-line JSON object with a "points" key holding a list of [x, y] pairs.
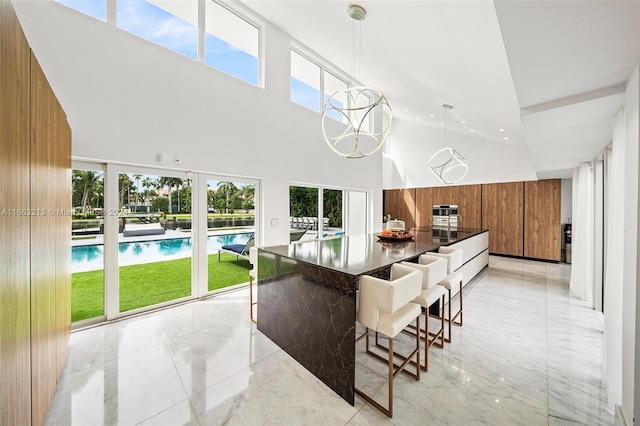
{"points": [[401, 204], [523, 217], [503, 215], [35, 186], [424, 208], [542, 235], [44, 350], [468, 198], [62, 161], [15, 313]]}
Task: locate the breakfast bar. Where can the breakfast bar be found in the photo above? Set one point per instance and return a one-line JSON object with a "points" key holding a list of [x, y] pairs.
{"points": [[307, 293]]}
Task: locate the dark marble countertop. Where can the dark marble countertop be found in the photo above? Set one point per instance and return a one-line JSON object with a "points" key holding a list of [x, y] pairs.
{"points": [[364, 253]]}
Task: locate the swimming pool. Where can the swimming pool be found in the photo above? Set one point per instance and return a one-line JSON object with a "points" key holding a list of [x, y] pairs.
{"points": [[90, 257]]}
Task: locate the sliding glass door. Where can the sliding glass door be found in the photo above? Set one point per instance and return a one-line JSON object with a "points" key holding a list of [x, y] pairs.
{"points": [[87, 242], [155, 247], [145, 238], [230, 230], [326, 212]]}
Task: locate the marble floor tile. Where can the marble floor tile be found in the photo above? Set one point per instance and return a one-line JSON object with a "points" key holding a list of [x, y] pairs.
{"points": [[528, 354], [124, 391], [181, 414]]}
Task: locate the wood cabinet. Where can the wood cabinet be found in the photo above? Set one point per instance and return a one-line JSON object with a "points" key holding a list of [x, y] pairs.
{"points": [[35, 197], [401, 205], [503, 216], [466, 197], [15, 310], [542, 235], [523, 217]]}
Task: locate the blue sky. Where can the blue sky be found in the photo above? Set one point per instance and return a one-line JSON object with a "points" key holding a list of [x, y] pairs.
{"points": [[155, 24]]}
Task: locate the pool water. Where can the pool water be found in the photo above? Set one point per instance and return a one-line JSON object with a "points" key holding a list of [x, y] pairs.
{"points": [[87, 258]]}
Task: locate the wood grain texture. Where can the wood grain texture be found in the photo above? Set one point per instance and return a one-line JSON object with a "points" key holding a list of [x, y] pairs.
{"points": [[542, 234], [62, 162], [401, 204], [466, 197], [44, 330], [15, 313], [503, 215]]}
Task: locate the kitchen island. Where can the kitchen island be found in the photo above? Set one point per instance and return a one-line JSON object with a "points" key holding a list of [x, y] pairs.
{"points": [[307, 293]]}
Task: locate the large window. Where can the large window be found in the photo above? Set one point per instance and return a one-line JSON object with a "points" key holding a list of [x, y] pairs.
{"points": [[95, 8], [231, 43], [333, 84], [305, 82], [172, 24], [307, 79]]}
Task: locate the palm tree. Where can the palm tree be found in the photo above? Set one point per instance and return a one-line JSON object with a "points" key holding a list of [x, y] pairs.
{"points": [[227, 189], [170, 182], [178, 183], [137, 178], [124, 183], [147, 183], [248, 195], [85, 180]]}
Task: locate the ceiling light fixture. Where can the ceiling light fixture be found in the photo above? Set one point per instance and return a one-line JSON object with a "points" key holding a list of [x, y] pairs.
{"points": [[447, 163], [356, 106]]}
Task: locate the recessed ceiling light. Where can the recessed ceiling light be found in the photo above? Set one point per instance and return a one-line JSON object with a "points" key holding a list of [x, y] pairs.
{"points": [[506, 138], [471, 130], [501, 130], [406, 110], [431, 115], [463, 122], [442, 124]]}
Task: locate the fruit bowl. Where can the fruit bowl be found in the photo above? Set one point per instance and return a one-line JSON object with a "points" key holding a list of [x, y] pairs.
{"points": [[395, 235]]}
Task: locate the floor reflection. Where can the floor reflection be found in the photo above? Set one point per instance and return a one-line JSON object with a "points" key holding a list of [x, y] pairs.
{"points": [[520, 358]]}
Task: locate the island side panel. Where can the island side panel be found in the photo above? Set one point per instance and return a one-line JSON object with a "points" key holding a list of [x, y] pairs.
{"points": [[309, 311]]}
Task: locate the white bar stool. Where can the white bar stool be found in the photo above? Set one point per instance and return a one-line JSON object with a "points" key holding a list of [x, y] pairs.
{"points": [[453, 279], [434, 270], [386, 307]]}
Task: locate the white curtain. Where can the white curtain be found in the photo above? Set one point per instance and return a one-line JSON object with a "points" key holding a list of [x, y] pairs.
{"points": [[612, 360], [582, 229]]}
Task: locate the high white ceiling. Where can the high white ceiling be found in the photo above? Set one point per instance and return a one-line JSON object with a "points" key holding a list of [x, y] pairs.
{"points": [[551, 74]]}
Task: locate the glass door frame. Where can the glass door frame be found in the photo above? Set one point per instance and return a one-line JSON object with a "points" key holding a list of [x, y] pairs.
{"points": [[112, 303], [345, 205], [101, 168], [199, 258], [203, 267]]}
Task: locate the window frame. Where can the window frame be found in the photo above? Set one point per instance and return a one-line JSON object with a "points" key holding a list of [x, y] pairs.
{"points": [[321, 64]]}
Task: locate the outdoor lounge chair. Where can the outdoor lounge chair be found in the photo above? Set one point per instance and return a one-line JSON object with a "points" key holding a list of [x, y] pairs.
{"points": [[240, 250], [141, 229]]}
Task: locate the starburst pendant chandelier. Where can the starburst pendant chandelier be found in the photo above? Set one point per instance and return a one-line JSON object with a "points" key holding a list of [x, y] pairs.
{"points": [[352, 136], [448, 164]]}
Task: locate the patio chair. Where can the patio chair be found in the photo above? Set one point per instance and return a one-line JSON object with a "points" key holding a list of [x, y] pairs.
{"points": [[240, 250]]}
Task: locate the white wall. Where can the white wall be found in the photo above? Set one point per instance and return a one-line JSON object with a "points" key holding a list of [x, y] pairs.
{"points": [[128, 99], [412, 145]]}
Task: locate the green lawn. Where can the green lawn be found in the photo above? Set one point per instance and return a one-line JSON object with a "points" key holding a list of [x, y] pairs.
{"points": [[151, 283]]}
